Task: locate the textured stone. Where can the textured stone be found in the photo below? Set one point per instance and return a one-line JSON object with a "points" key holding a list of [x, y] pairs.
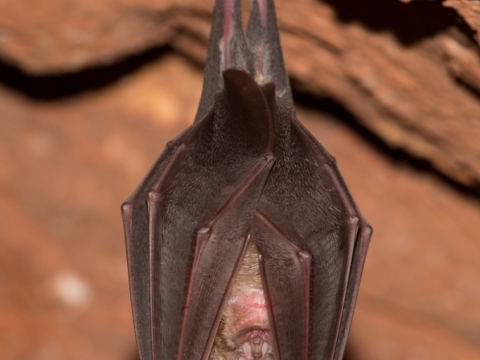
{"points": [[57, 36], [65, 168], [470, 11], [407, 72], [419, 294], [66, 164]]}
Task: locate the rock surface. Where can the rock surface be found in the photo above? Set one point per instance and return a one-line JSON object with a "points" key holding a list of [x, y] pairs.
{"points": [[89, 95], [409, 72], [66, 164]]}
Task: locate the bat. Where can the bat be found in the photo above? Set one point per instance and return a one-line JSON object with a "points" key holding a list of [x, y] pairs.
{"points": [[243, 241]]}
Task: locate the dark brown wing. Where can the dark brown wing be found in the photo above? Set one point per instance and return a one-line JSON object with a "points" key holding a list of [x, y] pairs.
{"points": [[198, 198], [320, 235], [308, 222], [246, 167]]}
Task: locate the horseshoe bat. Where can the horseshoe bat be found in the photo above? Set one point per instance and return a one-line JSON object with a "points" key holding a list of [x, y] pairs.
{"points": [[243, 241]]}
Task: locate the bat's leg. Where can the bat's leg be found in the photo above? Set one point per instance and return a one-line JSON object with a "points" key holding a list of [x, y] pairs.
{"points": [[227, 49], [232, 45], [229, 33], [263, 39], [286, 279]]}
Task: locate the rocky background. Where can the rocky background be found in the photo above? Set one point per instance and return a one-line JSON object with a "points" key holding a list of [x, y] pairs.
{"points": [[90, 92]]}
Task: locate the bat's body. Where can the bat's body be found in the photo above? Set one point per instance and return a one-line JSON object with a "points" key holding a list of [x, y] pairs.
{"points": [[243, 241]]}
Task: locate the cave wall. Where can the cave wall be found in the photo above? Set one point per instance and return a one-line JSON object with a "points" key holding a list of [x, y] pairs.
{"points": [[91, 91]]}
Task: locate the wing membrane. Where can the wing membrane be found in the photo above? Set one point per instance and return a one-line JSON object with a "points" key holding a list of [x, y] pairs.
{"points": [[246, 166]]}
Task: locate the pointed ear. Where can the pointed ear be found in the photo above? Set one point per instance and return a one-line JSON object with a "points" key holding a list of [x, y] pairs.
{"points": [[264, 41], [227, 48]]}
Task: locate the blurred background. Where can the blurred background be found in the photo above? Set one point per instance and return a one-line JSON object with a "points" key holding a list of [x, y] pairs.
{"points": [[91, 91]]}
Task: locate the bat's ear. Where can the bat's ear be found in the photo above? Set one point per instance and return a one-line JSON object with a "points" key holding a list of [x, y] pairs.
{"points": [[227, 48], [264, 42]]}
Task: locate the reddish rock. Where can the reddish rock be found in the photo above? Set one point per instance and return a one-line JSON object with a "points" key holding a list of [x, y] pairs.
{"points": [[66, 165], [470, 11], [419, 294], [408, 72], [65, 168]]}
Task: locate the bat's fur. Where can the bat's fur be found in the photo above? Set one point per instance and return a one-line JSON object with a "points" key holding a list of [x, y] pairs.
{"points": [[247, 280]]}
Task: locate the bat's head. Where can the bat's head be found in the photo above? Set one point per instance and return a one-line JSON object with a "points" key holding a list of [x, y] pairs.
{"points": [[244, 331]]}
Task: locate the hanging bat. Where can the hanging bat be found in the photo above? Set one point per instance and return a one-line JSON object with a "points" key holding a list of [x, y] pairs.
{"points": [[243, 241]]}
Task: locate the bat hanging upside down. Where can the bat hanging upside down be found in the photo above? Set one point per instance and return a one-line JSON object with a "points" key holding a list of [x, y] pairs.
{"points": [[243, 241]]}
